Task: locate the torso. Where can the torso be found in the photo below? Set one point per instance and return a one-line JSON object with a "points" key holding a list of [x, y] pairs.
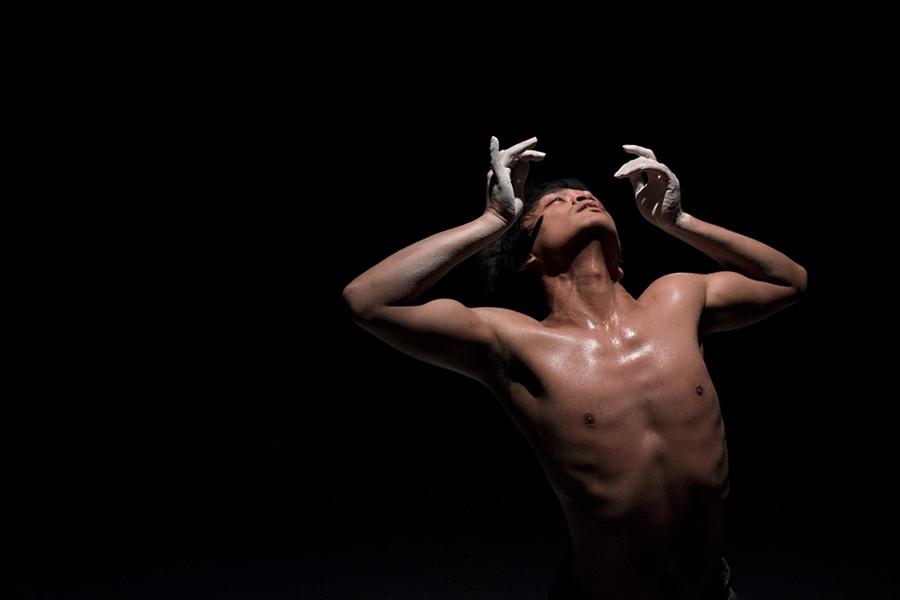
{"points": [[626, 423]]}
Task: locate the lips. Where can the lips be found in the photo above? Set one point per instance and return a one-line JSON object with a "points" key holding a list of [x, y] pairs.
{"points": [[588, 205]]}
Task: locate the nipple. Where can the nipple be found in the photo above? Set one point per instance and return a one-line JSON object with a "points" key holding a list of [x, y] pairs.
{"points": [[699, 390], [589, 419]]}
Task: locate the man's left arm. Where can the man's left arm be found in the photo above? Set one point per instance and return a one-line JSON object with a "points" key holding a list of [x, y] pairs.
{"points": [[759, 280]]}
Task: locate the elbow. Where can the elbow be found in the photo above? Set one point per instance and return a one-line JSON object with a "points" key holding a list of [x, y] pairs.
{"points": [[355, 302], [799, 283]]}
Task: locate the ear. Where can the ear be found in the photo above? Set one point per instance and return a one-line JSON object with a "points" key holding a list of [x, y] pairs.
{"points": [[531, 236], [527, 263]]}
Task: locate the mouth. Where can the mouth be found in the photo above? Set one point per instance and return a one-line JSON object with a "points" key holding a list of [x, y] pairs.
{"points": [[589, 205]]}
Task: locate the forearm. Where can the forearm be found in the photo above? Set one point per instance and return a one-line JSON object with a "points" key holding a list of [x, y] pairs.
{"points": [[404, 275], [738, 252]]}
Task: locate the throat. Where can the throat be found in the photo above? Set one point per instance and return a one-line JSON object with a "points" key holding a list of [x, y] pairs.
{"points": [[592, 306]]}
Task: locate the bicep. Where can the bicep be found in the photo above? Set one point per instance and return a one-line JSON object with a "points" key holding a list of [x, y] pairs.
{"points": [[733, 300], [442, 332]]}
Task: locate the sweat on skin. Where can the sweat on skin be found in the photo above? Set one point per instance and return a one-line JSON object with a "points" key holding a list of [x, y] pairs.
{"points": [[611, 391]]}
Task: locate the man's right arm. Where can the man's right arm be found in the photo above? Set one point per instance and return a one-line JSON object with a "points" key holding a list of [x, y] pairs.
{"points": [[442, 332]]}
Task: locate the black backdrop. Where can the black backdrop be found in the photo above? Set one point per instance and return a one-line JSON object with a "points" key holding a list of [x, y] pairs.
{"points": [[216, 427]]}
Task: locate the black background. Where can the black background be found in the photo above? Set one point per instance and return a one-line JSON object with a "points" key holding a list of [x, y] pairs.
{"points": [[214, 426]]}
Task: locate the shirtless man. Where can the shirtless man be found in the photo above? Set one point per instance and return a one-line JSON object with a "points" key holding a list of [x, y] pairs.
{"points": [[611, 391]]}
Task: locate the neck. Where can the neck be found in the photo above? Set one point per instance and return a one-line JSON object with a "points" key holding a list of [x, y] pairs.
{"points": [[584, 292]]}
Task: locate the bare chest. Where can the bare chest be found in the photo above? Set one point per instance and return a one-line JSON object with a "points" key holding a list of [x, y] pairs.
{"points": [[626, 423], [642, 388], [641, 359]]}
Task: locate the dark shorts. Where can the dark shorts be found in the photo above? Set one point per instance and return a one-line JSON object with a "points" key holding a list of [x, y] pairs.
{"points": [[562, 588]]}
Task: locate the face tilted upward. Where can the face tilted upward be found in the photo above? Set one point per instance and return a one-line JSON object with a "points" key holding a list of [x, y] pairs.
{"points": [[565, 215]]}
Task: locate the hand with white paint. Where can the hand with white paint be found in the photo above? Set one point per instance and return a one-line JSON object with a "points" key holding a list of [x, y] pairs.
{"points": [[656, 189], [506, 179]]}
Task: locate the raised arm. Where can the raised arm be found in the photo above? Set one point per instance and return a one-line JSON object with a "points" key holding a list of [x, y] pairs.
{"points": [[759, 280], [443, 332]]}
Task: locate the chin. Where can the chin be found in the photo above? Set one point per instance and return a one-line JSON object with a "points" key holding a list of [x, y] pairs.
{"points": [[602, 222]]}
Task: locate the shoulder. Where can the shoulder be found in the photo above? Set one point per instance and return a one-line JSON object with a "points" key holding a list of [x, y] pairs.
{"points": [[505, 319], [677, 290], [678, 286], [513, 330]]}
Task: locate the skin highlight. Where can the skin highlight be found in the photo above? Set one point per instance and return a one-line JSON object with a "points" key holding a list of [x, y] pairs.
{"points": [[611, 391]]}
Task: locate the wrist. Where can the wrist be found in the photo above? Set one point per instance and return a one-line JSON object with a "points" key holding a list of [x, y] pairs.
{"points": [[493, 218], [681, 222]]}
